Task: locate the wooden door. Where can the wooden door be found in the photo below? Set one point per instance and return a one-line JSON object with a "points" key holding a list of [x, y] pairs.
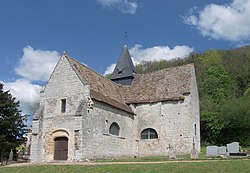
{"points": [[61, 148]]}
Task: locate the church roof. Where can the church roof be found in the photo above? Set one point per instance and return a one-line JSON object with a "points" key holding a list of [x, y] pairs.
{"points": [[163, 85], [101, 88], [124, 67]]}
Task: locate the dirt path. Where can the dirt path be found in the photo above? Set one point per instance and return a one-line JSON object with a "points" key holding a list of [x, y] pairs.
{"points": [[110, 163]]}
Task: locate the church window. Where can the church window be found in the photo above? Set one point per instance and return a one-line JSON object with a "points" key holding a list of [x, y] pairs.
{"points": [[149, 134], [114, 129], [63, 105]]}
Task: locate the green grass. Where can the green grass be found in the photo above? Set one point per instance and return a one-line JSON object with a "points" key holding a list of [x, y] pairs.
{"points": [[159, 158], [146, 159], [216, 166]]}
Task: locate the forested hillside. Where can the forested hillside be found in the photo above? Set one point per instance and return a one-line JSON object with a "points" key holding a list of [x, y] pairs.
{"points": [[223, 78]]}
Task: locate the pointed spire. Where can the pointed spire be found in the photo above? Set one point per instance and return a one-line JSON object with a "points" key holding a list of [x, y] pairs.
{"points": [[124, 68]]}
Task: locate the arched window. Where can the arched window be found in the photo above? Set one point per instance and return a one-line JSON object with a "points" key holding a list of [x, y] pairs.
{"points": [[114, 129], [149, 134]]}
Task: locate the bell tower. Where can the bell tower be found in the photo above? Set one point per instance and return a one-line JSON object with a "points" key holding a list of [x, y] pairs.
{"points": [[124, 70]]}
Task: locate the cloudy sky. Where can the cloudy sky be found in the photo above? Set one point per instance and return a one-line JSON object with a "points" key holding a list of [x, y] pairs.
{"points": [[33, 35]]}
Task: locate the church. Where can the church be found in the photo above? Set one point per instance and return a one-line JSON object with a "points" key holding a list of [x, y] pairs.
{"points": [[85, 116]]}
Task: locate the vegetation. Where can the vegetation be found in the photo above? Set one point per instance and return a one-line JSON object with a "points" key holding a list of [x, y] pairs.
{"points": [[12, 127], [147, 159], [223, 79], [229, 166]]}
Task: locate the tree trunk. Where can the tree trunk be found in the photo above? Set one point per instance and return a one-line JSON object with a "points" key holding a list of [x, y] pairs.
{"points": [[1, 159]]}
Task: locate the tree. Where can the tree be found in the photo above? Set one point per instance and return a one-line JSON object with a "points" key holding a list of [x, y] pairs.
{"points": [[236, 114], [210, 58], [211, 127], [12, 126], [108, 76], [217, 84], [247, 93]]}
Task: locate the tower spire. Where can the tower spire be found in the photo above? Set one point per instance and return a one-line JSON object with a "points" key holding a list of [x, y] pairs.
{"points": [[124, 69]]}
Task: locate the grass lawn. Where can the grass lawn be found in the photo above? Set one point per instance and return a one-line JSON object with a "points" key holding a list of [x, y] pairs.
{"points": [[215, 166], [146, 159], [160, 158]]}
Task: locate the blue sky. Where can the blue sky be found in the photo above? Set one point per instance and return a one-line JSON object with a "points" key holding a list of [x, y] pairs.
{"points": [[33, 34]]}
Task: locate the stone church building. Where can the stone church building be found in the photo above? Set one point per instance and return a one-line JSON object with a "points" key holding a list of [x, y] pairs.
{"points": [[83, 115]]}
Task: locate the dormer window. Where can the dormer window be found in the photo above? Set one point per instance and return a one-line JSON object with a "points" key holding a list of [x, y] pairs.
{"points": [[63, 105], [120, 72]]}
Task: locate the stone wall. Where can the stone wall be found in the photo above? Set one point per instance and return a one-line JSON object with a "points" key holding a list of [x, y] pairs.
{"points": [[63, 84], [98, 142], [171, 120]]}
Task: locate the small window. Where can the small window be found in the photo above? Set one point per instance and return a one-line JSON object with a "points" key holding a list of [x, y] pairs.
{"points": [[119, 72], [63, 105], [149, 134], [114, 129]]}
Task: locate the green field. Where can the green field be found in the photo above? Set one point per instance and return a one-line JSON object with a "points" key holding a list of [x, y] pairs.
{"points": [[215, 166]]}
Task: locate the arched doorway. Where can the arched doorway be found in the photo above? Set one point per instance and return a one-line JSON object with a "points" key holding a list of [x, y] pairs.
{"points": [[61, 148]]}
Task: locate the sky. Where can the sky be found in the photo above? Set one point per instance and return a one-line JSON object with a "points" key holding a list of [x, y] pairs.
{"points": [[34, 34]]}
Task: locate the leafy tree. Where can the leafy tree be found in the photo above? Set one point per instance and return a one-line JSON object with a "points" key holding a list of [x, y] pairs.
{"points": [[210, 58], [217, 84], [247, 93], [12, 127], [108, 75], [237, 63], [211, 127], [236, 113]]}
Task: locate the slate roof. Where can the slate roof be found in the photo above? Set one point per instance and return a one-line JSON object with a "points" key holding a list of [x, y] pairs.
{"points": [[124, 67], [164, 85]]}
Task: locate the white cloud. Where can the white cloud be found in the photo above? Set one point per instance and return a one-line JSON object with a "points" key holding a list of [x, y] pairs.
{"points": [[124, 6], [223, 22], [156, 53], [109, 69], [37, 65], [26, 93], [34, 65]]}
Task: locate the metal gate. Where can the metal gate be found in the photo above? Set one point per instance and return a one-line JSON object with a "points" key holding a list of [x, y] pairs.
{"points": [[61, 148]]}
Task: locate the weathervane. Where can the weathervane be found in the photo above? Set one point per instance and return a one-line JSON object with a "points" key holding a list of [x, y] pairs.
{"points": [[125, 37]]}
